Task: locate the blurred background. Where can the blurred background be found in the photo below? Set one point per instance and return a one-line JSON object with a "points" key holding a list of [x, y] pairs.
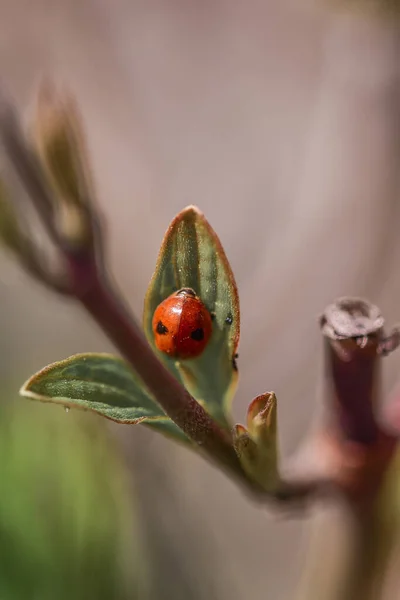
{"points": [[280, 120]]}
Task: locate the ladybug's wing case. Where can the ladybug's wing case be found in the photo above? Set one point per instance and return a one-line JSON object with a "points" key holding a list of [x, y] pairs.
{"points": [[182, 325], [166, 323], [195, 327]]}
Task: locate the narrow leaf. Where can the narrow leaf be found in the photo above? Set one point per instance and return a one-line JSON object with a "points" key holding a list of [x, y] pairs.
{"points": [[262, 419], [60, 144], [61, 148], [191, 256], [104, 384], [256, 445]]}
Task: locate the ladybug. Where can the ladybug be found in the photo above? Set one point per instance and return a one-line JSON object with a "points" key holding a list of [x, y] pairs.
{"points": [[182, 325]]}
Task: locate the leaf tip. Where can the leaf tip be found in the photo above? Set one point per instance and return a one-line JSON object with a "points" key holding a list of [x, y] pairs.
{"points": [[190, 214], [192, 209], [262, 411], [239, 430]]}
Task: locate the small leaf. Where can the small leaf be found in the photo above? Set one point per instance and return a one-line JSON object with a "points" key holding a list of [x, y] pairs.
{"points": [[245, 447], [256, 447], [191, 256], [262, 419], [104, 384], [61, 149]]}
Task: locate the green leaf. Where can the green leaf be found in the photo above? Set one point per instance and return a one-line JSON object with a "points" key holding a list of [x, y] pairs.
{"points": [[60, 145], [104, 384], [256, 445], [191, 256]]}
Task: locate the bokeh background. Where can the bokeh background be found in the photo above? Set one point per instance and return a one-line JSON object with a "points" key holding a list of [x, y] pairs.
{"points": [[280, 120]]}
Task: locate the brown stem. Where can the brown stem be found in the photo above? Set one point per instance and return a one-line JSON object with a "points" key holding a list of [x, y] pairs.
{"points": [[353, 329], [105, 306], [362, 450]]}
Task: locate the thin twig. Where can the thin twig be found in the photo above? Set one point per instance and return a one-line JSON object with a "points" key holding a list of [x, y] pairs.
{"points": [[105, 306]]}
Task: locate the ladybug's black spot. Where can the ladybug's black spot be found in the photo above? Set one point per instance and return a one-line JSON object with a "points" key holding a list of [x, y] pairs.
{"points": [[234, 363], [197, 334], [161, 329], [229, 319]]}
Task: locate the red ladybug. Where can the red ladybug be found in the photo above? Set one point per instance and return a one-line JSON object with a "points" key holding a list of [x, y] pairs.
{"points": [[182, 325]]}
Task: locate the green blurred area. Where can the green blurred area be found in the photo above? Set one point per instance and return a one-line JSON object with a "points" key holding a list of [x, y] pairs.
{"points": [[67, 522]]}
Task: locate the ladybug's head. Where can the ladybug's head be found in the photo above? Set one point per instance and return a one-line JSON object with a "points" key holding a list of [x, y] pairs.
{"points": [[186, 292]]}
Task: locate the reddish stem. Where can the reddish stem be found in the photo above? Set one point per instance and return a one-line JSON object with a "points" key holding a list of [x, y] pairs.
{"points": [[353, 330], [352, 383], [106, 307]]}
